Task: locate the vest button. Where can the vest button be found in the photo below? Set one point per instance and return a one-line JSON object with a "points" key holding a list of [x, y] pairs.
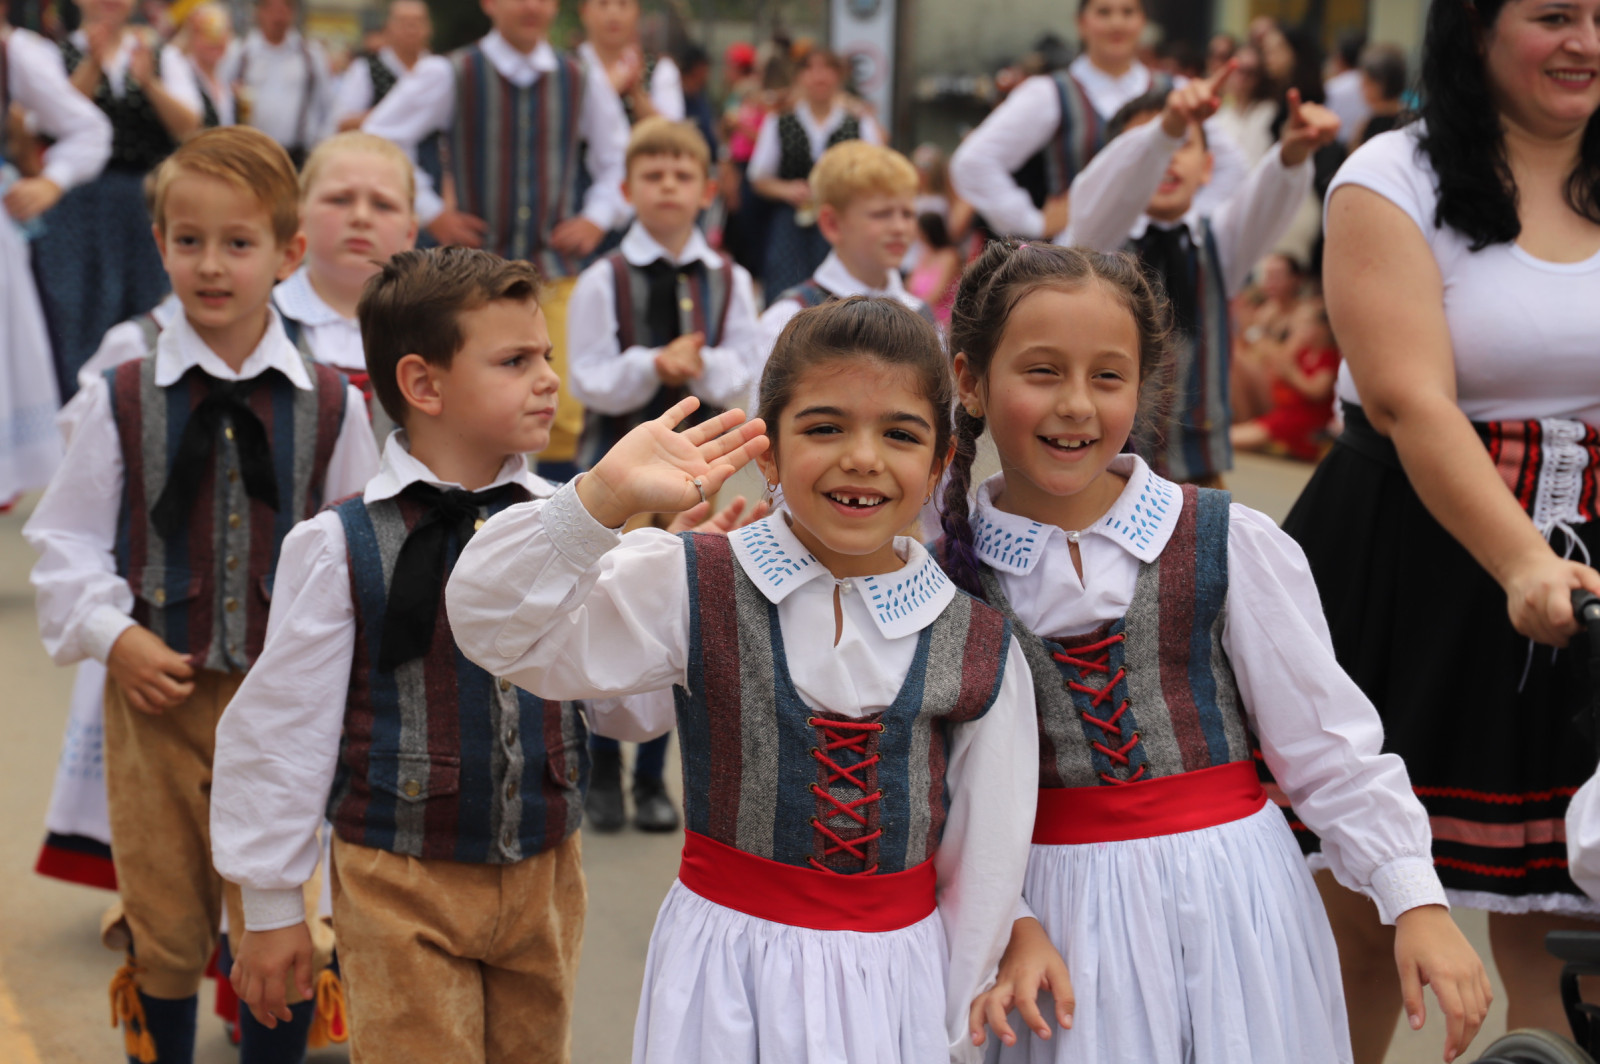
{"points": [[412, 788], [160, 597], [479, 523], [511, 790], [227, 431], [572, 774], [508, 838], [511, 737], [505, 684], [234, 520], [233, 562], [686, 304], [230, 604], [524, 213], [233, 476]]}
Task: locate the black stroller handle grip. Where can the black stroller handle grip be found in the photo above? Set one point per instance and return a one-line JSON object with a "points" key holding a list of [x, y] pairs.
{"points": [[1585, 606]]}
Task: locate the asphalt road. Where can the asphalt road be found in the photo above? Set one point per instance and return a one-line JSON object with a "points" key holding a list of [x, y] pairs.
{"points": [[54, 973]]}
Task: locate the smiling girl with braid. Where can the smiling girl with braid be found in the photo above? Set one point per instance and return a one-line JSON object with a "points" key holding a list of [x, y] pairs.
{"points": [[1166, 627]]}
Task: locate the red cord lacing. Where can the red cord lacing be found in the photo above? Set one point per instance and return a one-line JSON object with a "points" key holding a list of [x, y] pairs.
{"points": [[840, 736], [1092, 658]]}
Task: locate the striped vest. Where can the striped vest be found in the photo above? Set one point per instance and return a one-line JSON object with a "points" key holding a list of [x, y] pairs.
{"points": [[809, 293], [767, 775], [1194, 442], [794, 147], [515, 155], [702, 307], [206, 592], [439, 759], [1152, 694]]}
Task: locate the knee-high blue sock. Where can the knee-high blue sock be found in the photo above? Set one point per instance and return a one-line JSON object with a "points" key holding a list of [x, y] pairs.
{"points": [[283, 1044], [171, 1026]]}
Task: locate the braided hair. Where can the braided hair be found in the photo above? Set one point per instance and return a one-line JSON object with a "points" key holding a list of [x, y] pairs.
{"points": [[990, 289]]}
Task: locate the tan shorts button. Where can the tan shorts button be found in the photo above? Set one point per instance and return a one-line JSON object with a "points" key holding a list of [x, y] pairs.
{"points": [[413, 788]]}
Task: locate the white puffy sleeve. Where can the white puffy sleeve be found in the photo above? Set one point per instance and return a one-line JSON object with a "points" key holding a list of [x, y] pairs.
{"points": [[1320, 735]]}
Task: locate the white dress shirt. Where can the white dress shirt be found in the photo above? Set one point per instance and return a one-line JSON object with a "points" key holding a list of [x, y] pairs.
{"points": [[334, 339], [425, 103], [1583, 838], [666, 82], [767, 154], [37, 81], [276, 77], [1029, 119], [278, 741], [1320, 735], [836, 277], [609, 380], [545, 594], [1346, 100], [353, 94], [83, 603], [124, 342], [1110, 195]]}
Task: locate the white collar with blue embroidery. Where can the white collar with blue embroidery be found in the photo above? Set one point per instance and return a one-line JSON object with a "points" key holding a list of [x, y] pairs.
{"points": [[1140, 521], [902, 603]]}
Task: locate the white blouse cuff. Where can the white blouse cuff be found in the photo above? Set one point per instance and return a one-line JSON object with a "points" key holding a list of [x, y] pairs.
{"points": [[577, 536], [1405, 883], [269, 910], [102, 629]]}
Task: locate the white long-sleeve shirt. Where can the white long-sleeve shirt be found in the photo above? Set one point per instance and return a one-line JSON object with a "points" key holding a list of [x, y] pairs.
{"points": [[279, 78], [83, 604], [424, 103], [353, 93], [1583, 837], [37, 81], [1320, 735], [334, 340], [609, 380], [836, 277], [666, 82], [1110, 195], [766, 155], [545, 595], [278, 741], [1029, 119]]}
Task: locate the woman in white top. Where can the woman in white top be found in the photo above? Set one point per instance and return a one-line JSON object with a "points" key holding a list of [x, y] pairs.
{"points": [[789, 144], [95, 263], [1463, 259]]}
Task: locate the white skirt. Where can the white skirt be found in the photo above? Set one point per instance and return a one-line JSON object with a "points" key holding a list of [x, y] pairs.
{"points": [[78, 799], [722, 987], [1205, 947], [30, 448]]}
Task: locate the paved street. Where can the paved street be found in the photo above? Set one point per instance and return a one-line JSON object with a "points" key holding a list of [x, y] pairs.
{"points": [[53, 971]]}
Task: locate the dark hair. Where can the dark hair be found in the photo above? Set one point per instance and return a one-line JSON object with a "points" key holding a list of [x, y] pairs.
{"points": [[1385, 64], [1185, 56], [1463, 138], [933, 229], [990, 289], [413, 306], [1305, 75], [1151, 103], [884, 330], [1349, 45], [1083, 5], [693, 56]]}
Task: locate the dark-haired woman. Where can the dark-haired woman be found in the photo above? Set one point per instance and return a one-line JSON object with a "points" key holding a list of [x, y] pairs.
{"points": [[1456, 514]]}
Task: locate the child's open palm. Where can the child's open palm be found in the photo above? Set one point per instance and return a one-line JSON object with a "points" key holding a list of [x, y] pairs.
{"points": [[656, 469]]}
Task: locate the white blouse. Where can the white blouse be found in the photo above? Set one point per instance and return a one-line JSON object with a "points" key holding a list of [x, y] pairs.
{"points": [[334, 339], [1523, 330], [1320, 735], [546, 595]]}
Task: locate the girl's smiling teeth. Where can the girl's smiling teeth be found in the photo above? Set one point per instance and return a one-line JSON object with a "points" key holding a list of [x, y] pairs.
{"points": [[857, 500], [1062, 443]]}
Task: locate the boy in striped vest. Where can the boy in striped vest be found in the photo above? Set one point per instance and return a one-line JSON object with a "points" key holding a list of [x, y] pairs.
{"points": [[522, 124], [661, 317], [866, 196], [455, 797], [1139, 195], [158, 541]]}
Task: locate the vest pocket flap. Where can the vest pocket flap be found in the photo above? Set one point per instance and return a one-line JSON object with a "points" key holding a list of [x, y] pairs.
{"points": [[163, 587], [415, 777]]}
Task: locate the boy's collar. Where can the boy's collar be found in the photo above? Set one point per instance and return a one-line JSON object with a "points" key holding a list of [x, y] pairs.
{"points": [[505, 55], [180, 348], [837, 278], [641, 249], [299, 300], [400, 469]]}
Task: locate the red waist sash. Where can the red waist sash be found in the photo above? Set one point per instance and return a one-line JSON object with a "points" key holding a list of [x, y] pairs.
{"points": [[1168, 805], [805, 897]]}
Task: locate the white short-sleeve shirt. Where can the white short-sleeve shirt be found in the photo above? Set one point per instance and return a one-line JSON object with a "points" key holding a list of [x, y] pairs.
{"points": [[1525, 332]]}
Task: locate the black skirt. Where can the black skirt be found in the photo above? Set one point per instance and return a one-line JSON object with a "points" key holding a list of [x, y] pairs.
{"points": [[1487, 732]]}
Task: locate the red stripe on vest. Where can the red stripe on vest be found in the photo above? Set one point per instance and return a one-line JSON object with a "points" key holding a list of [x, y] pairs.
{"points": [[555, 799], [1177, 629], [804, 897], [719, 642], [1169, 805]]}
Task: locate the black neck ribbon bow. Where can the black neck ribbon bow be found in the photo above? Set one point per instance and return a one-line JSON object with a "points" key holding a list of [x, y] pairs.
{"points": [[1168, 257], [225, 407], [661, 309]]}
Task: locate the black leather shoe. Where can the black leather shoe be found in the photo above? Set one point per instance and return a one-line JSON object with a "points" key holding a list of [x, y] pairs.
{"points": [[603, 806], [652, 809]]}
